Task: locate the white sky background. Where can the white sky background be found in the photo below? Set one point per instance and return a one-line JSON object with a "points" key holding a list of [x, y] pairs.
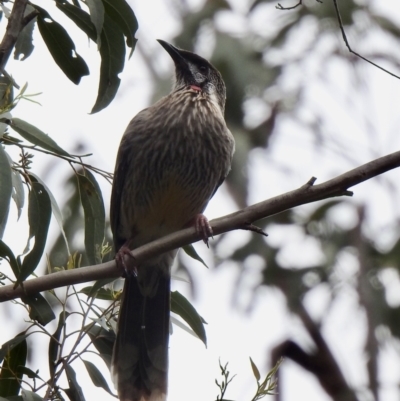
{"points": [[232, 335]]}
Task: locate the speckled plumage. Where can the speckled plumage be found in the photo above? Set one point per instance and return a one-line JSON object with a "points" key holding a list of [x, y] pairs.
{"points": [[172, 158]]}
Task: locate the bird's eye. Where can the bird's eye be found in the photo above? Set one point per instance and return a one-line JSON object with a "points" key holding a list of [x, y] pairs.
{"points": [[203, 69]]}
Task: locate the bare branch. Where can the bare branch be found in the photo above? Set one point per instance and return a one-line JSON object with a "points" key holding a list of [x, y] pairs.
{"points": [[339, 17], [14, 27], [242, 219]]}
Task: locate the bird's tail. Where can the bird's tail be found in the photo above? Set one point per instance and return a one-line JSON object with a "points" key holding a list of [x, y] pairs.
{"points": [[140, 358]]}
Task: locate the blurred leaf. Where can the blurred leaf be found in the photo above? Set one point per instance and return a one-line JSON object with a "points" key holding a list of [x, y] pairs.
{"points": [[182, 307], [39, 308], [24, 46], [56, 211], [319, 213], [256, 372], [18, 194], [98, 293], [5, 189], [10, 344], [122, 14], [7, 253], [61, 47], [97, 286], [30, 396], [191, 251], [54, 343], [6, 95], [10, 379], [93, 207], [74, 392], [39, 213], [103, 340], [112, 54], [96, 9], [36, 136], [96, 376]]}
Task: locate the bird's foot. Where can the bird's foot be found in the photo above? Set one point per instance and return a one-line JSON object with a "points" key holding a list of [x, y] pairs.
{"points": [[203, 227], [120, 259]]}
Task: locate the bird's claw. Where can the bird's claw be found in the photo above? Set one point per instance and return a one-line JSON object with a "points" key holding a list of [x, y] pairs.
{"points": [[203, 228], [121, 261]]}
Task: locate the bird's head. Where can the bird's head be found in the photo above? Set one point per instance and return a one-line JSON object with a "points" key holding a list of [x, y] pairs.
{"points": [[195, 71]]}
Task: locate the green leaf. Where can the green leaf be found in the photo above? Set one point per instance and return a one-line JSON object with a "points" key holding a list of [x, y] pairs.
{"points": [[10, 379], [24, 46], [5, 189], [256, 372], [75, 391], [112, 50], [30, 396], [56, 211], [96, 9], [99, 293], [54, 343], [191, 251], [10, 344], [103, 340], [181, 306], [39, 310], [112, 54], [18, 194], [93, 207], [36, 136], [80, 17], [123, 15], [39, 213], [6, 95], [61, 47], [96, 376], [7, 253]]}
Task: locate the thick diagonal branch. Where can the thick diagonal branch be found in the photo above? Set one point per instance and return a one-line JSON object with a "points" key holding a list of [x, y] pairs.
{"points": [[308, 193]]}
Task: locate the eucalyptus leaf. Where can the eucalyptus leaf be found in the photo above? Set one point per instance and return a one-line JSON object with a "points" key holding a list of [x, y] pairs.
{"points": [[96, 9], [5, 189], [96, 376], [93, 208]]}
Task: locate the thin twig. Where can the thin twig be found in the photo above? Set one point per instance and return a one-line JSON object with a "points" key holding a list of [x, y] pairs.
{"points": [[339, 17]]}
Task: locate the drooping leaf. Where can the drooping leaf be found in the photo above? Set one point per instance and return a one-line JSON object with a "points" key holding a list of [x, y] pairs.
{"points": [[103, 340], [5, 189], [96, 376], [10, 378], [30, 396], [74, 392], [54, 343], [39, 309], [112, 50], [112, 54], [80, 17], [39, 213], [99, 293], [56, 211], [7, 253], [191, 251], [61, 47], [36, 136], [181, 306], [18, 193], [96, 9], [123, 15], [10, 344], [93, 207], [24, 46]]}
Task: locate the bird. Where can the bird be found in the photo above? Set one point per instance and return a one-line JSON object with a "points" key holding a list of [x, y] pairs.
{"points": [[171, 160]]}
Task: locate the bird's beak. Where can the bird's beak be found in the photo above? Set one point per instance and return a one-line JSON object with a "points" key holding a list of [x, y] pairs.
{"points": [[175, 53]]}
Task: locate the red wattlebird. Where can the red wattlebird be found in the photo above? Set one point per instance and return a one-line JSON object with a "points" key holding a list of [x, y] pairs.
{"points": [[171, 160]]}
